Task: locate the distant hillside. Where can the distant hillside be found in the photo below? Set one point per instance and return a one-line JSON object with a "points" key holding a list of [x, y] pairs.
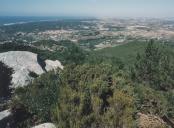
{"points": [[128, 52]]}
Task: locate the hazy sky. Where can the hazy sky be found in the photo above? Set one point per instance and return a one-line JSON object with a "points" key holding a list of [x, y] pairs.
{"points": [[99, 8]]}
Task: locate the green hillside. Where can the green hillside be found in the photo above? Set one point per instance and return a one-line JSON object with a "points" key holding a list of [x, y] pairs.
{"points": [[127, 52], [100, 92]]}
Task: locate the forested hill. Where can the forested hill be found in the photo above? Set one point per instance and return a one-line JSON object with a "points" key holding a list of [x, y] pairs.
{"points": [[104, 91]]}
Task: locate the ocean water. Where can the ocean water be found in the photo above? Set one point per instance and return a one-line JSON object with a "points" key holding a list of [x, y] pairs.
{"points": [[11, 20]]}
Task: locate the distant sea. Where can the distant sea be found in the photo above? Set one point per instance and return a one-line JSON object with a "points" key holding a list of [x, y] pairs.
{"points": [[11, 20]]}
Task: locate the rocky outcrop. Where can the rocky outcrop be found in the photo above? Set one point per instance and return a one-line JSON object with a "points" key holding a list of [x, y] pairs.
{"points": [[24, 63], [4, 114], [4, 117], [45, 125], [52, 65], [150, 121]]}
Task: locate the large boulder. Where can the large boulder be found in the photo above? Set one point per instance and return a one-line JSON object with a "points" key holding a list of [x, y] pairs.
{"points": [[52, 65], [4, 114], [45, 125], [4, 118], [150, 121], [25, 64]]}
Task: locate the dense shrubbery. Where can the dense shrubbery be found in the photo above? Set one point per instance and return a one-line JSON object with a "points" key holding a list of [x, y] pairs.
{"points": [[87, 98], [154, 67], [155, 70], [80, 96], [5, 80], [102, 93], [39, 97]]}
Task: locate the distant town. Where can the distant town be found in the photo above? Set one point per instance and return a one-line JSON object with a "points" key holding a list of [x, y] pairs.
{"points": [[104, 32]]}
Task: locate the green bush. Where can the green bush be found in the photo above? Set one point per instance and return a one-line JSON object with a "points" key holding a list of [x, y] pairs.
{"points": [[154, 67], [40, 96], [150, 101], [87, 97], [96, 92], [5, 80]]}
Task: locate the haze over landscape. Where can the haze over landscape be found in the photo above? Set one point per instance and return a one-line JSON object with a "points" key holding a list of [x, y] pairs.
{"points": [[92, 8]]}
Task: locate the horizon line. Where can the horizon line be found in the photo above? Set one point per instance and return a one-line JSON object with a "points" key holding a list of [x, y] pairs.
{"points": [[95, 17]]}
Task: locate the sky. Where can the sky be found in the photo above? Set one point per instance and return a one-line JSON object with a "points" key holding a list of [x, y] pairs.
{"points": [[92, 8]]}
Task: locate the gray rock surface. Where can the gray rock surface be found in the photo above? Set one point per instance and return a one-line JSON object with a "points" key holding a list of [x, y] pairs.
{"points": [[45, 125], [52, 65], [4, 114], [23, 63]]}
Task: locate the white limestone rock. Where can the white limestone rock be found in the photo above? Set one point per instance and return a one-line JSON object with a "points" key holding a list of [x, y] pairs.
{"points": [[24, 62], [50, 65], [45, 125], [4, 114]]}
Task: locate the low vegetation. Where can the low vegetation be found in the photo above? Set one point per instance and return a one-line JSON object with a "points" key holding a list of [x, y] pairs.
{"points": [[5, 78], [96, 90]]}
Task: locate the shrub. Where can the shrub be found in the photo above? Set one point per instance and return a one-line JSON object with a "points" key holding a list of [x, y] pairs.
{"points": [[40, 96], [154, 67], [88, 98], [5, 80]]}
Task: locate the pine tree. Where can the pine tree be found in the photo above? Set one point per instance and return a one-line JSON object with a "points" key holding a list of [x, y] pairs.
{"points": [[153, 67]]}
